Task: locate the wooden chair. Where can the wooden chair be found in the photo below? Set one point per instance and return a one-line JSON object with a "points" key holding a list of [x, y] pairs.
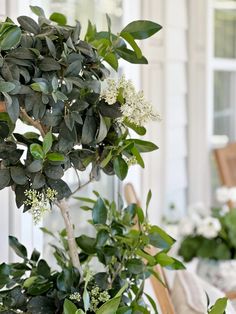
{"points": [[226, 164], [162, 292]]}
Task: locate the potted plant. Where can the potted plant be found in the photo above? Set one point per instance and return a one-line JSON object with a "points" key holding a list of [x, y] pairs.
{"points": [[50, 79], [211, 238]]}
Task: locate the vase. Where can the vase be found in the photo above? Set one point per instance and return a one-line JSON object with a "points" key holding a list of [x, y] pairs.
{"points": [[219, 273]]}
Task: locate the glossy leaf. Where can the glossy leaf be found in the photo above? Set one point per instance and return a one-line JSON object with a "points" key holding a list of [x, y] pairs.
{"points": [[142, 29], [99, 212], [59, 18], [120, 167], [110, 307], [36, 151], [11, 38], [18, 248], [69, 307], [130, 39], [47, 143], [28, 24], [55, 157]]}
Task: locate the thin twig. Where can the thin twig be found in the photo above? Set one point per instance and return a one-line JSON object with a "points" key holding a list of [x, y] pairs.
{"points": [[35, 123], [81, 186], [73, 251]]}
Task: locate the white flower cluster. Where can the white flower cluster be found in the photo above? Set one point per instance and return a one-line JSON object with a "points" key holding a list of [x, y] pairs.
{"points": [[135, 108], [225, 195], [75, 296], [199, 223], [39, 202], [97, 296]]}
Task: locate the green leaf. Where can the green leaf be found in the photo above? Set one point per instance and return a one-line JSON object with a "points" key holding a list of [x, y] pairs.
{"points": [[135, 266], [140, 130], [6, 86], [120, 168], [142, 29], [28, 24], [59, 18], [40, 87], [49, 64], [18, 175], [18, 248], [149, 197], [4, 274], [142, 146], [47, 143], [13, 107], [86, 299], [219, 307], [4, 178], [159, 238], [87, 244], [35, 166], [102, 130], [110, 307], [79, 312], [112, 60], [10, 38], [51, 47], [99, 212], [36, 151], [55, 157], [130, 39], [137, 156], [130, 56], [37, 10], [69, 307]]}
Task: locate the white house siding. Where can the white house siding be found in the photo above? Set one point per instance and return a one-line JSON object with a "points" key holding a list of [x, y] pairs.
{"points": [[165, 84]]}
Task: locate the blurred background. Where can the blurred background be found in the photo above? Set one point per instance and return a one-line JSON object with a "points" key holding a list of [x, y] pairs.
{"points": [[191, 82]]}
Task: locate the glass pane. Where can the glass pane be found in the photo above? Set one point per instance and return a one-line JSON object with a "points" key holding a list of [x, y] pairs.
{"points": [[224, 104], [225, 33]]}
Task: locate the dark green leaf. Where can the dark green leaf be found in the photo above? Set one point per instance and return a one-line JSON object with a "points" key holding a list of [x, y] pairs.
{"points": [[61, 187], [142, 146], [142, 29], [140, 130], [35, 166], [159, 238], [18, 175], [43, 268], [120, 168], [49, 64], [6, 86], [130, 56], [51, 47], [135, 266], [99, 212], [18, 248], [11, 38], [41, 305], [28, 24], [13, 107], [102, 130], [4, 178], [87, 244]]}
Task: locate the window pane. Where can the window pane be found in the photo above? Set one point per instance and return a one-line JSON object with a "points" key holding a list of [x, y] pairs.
{"points": [[225, 33], [224, 104]]}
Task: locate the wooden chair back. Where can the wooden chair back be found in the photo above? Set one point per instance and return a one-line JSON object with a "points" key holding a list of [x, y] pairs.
{"points": [[226, 164], [162, 292]]}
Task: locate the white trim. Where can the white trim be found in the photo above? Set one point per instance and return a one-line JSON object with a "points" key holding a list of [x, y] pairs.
{"points": [[200, 99], [224, 64]]}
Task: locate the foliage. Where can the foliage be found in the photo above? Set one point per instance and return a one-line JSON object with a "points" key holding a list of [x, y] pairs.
{"points": [[219, 307], [126, 249], [222, 246], [50, 78]]}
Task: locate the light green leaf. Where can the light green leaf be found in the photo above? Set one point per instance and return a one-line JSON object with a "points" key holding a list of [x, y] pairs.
{"points": [[129, 38], [58, 18], [110, 307], [140, 130], [36, 151], [40, 87], [47, 142], [55, 157], [37, 10], [142, 29], [219, 307], [69, 307], [86, 299], [112, 60]]}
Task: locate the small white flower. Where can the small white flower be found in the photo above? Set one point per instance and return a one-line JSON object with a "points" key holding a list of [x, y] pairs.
{"points": [[222, 195], [232, 194], [186, 226], [198, 209], [209, 228], [135, 108], [224, 210]]}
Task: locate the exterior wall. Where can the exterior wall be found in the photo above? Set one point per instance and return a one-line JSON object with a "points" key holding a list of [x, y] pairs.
{"points": [[165, 84]]}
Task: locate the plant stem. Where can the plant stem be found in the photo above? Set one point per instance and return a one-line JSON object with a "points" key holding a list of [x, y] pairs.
{"points": [[63, 205], [24, 115]]}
